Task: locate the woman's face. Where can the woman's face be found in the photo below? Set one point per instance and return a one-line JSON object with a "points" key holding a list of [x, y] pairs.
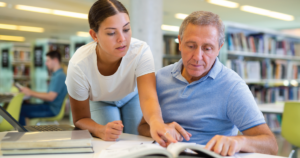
{"points": [[114, 35]]}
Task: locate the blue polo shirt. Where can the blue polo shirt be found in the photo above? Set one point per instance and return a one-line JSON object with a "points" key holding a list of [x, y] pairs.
{"points": [[57, 85], [219, 103]]}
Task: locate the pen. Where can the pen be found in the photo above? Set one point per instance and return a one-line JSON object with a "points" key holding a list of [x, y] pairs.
{"points": [[154, 142]]}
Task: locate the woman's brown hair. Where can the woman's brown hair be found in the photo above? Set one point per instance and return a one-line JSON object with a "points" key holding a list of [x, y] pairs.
{"points": [[103, 9]]}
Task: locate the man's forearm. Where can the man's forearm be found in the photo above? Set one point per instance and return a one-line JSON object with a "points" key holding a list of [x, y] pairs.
{"points": [[40, 95], [265, 144]]}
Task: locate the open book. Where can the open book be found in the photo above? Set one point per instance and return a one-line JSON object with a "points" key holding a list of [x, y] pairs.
{"points": [[172, 151]]}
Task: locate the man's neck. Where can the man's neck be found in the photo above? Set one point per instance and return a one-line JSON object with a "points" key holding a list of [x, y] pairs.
{"points": [[56, 68]]}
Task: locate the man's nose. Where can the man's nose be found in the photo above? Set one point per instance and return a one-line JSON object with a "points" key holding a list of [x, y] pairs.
{"points": [[198, 54]]}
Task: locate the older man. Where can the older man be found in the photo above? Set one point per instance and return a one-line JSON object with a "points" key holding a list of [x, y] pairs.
{"points": [[210, 101]]}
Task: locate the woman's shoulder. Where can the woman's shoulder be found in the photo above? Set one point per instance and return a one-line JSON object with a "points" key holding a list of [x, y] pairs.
{"points": [[83, 53], [137, 44]]}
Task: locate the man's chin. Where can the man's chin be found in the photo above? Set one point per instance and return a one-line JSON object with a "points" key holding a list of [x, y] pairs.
{"points": [[195, 73]]}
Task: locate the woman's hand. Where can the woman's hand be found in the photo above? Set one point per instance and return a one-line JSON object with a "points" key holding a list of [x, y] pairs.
{"points": [[111, 131], [165, 134], [177, 132]]}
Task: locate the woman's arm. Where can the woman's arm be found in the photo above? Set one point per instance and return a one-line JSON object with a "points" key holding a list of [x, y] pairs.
{"points": [[152, 112], [82, 119]]}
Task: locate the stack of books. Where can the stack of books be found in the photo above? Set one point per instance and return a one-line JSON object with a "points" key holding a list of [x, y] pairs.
{"points": [[52, 142]]}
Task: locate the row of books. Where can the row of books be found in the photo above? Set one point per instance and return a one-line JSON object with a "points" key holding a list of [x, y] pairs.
{"points": [[265, 69], [263, 44], [20, 55], [21, 70], [274, 94]]}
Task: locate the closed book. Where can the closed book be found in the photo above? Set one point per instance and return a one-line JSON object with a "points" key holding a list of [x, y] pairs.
{"points": [[49, 139], [46, 151]]}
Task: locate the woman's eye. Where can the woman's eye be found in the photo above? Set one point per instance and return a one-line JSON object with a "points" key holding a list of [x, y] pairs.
{"points": [[126, 30], [110, 34]]}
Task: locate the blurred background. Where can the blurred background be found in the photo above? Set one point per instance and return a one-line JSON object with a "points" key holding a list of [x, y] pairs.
{"points": [[262, 45]]}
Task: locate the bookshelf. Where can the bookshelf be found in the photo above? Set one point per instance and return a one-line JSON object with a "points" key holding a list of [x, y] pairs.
{"points": [[16, 65], [6, 75]]}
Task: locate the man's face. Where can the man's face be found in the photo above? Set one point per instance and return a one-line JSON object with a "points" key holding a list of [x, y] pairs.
{"points": [[199, 48], [49, 63]]}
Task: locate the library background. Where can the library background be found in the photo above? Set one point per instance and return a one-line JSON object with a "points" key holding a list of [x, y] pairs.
{"points": [[262, 45]]}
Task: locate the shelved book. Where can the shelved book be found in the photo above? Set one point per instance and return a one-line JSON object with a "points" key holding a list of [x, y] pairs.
{"points": [[50, 142], [265, 69], [264, 94], [172, 151], [262, 44]]}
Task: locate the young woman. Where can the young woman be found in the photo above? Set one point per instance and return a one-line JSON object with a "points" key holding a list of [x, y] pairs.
{"points": [[111, 80]]}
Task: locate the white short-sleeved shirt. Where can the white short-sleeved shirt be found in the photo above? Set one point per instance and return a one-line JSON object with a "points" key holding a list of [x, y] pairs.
{"points": [[85, 81]]}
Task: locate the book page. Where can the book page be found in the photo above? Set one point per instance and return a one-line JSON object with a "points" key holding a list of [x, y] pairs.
{"points": [[135, 151], [126, 144], [176, 148]]}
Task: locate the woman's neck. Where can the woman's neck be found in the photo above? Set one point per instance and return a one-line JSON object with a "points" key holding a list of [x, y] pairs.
{"points": [[107, 64]]}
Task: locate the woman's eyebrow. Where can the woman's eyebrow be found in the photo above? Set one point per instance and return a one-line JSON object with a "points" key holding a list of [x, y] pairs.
{"points": [[115, 28]]}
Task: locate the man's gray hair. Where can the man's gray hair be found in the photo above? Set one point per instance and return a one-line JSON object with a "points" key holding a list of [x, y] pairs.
{"points": [[204, 18]]}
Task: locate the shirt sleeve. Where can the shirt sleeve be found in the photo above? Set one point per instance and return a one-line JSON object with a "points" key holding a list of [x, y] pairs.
{"points": [[77, 85], [242, 109], [57, 84], [146, 63]]}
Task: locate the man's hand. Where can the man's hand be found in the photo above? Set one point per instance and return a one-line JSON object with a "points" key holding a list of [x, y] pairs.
{"points": [[165, 134], [26, 91], [111, 131], [225, 145]]}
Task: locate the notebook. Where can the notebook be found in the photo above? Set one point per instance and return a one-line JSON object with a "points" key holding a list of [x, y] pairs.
{"points": [[51, 142]]}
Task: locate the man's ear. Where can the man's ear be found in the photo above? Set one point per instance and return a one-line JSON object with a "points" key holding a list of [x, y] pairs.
{"points": [[93, 35], [179, 41], [221, 46]]}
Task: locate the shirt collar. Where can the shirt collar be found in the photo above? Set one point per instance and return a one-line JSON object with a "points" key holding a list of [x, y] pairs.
{"points": [[57, 71], [214, 71], [217, 67]]}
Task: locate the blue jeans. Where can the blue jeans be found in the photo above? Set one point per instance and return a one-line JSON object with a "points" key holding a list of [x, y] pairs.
{"points": [[127, 110], [33, 111]]}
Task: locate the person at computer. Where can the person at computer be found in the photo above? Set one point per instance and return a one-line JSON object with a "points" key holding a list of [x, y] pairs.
{"points": [[206, 98], [54, 96], [111, 80]]}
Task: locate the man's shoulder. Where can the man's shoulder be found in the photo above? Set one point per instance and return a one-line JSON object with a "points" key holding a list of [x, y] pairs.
{"points": [[60, 75]]}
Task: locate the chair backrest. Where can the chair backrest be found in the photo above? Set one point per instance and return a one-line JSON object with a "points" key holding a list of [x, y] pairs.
{"points": [[14, 109], [290, 128], [60, 115]]}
